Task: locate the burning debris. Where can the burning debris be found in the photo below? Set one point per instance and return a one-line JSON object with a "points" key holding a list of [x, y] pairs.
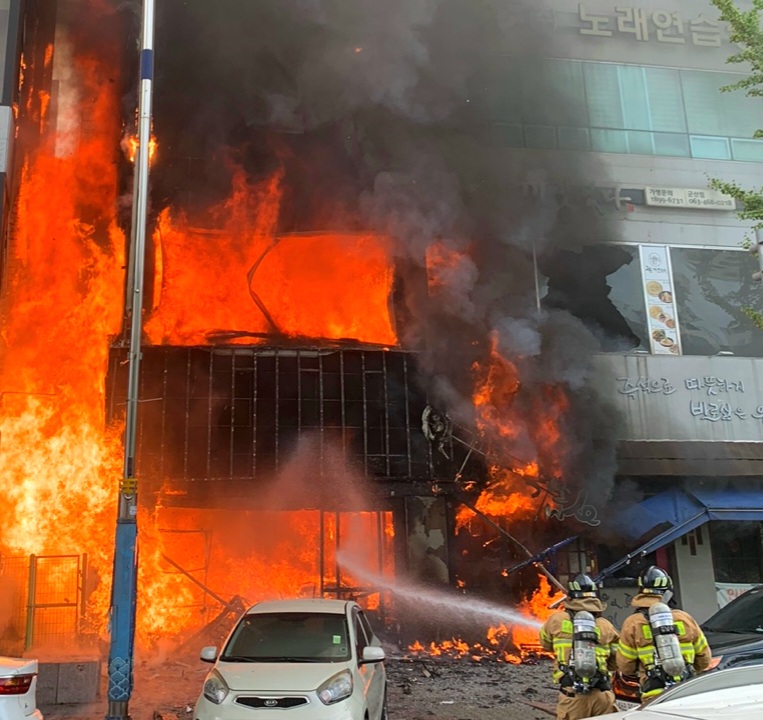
{"points": [[512, 643]]}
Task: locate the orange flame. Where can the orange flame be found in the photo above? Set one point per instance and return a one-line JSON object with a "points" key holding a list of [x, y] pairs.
{"points": [[62, 302], [501, 639], [242, 278], [130, 145], [505, 426], [496, 385], [59, 467]]}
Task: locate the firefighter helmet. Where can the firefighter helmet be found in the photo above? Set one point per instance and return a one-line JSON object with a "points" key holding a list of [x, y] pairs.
{"points": [[582, 586], [654, 581]]}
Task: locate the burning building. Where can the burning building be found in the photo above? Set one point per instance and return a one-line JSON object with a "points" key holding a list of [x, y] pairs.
{"points": [[341, 269], [348, 371]]}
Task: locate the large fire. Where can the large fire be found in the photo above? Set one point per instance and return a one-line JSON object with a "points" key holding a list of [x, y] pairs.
{"points": [[506, 425], [238, 280], [234, 280], [63, 302], [59, 467]]}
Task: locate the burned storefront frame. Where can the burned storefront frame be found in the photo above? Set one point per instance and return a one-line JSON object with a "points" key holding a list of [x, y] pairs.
{"points": [[219, 428], [235, 414]]}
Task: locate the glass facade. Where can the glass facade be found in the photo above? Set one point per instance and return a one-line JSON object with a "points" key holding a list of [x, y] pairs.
{"points": [[606, 107], [602, 286], [737, 552], [712, 289]]}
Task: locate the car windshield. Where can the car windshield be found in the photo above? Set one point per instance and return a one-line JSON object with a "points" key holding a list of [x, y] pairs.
{"points": [[289, 637], [744, 615]]}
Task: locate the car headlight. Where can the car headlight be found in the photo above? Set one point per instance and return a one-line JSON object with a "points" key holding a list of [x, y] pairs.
{"points": [[336, 688], [215, 688], [715, 662]]}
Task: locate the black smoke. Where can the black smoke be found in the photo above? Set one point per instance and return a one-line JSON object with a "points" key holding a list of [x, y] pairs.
{"points": [[379, 114]]}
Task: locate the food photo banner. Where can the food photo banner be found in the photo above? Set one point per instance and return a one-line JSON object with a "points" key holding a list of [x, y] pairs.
{"points": [[660, 300]]}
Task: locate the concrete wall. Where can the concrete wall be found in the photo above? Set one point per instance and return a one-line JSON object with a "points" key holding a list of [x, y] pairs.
{"points": [[660, 397], [618, 602], [68, 683], [695, 578], [561, 30]]}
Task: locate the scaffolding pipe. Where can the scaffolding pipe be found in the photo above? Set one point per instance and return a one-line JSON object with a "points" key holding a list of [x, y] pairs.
{"points": [[83, 592], [124, 584], [185, 572]]}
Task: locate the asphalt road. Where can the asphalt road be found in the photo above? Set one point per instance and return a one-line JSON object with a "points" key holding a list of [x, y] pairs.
{"points": [[418, 689]]}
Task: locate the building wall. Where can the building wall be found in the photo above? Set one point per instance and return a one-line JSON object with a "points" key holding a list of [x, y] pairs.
{"points": [[694, 410], [671, 398], [695, 578], [671, 401]]}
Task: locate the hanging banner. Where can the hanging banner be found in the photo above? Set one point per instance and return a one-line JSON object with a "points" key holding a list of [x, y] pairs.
{"points": [[727, 592], [662, 320]]}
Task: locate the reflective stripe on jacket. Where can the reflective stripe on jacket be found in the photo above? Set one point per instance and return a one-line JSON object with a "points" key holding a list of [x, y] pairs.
{"points": [[556, 635], [636, 651]]}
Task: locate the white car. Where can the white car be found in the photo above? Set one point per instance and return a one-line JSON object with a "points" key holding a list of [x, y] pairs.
{"points": [[734, 694], [317, 659], [18, 689]]}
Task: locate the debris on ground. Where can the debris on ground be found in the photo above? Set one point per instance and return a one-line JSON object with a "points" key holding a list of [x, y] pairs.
{"points": [[418, 689]]}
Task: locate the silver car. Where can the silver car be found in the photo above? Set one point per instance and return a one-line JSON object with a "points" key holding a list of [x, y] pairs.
{"points": [[319, 659], [735, 694]]}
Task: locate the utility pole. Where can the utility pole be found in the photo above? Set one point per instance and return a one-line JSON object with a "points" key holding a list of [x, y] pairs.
{"points": [[124, 584]]}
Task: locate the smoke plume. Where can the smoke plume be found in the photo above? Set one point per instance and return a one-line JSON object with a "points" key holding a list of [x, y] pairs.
{"points": [[379, 114]]}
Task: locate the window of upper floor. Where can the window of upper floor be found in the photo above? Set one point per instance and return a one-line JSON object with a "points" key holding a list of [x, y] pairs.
{"points": [[699, 308], [617, 108]]}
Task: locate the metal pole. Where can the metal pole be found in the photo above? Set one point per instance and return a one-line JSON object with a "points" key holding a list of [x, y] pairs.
{"points": [[337, 551], [539, 565], [31, 603], [124, 585]]}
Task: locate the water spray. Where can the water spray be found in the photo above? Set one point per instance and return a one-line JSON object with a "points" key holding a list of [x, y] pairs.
{"points": [[438, 600]]}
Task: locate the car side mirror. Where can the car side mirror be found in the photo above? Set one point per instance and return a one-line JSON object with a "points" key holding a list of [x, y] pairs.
{"points": [[372, 654], [208, 654]]}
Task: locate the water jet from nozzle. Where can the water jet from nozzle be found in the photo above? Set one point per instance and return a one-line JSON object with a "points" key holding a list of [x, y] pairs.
{"points": [[461, 606]]}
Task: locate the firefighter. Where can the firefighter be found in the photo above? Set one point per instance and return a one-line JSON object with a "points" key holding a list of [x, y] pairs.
{"points": [[662, 646], [583, 644]]}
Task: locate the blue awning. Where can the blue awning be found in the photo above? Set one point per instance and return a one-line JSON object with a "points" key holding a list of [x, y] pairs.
{"points": [[674, 513]]}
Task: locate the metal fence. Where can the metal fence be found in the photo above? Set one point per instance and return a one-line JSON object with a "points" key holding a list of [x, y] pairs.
{"points": [[41, 601], [237, 413]]}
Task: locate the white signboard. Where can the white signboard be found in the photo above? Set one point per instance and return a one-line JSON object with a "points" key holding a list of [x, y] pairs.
{"points": [[717, 399], [730, 591], [660, 303], [696, 199]]}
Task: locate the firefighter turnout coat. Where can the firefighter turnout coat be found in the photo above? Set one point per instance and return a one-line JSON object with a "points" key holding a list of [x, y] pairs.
{"points": [[636, 651], [556, 635]]}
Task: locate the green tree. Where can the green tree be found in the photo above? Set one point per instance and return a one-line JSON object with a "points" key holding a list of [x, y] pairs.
{"points": [[746, 34]]}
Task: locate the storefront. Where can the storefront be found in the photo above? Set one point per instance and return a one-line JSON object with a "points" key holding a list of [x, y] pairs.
{"points": [[666, 287]]}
